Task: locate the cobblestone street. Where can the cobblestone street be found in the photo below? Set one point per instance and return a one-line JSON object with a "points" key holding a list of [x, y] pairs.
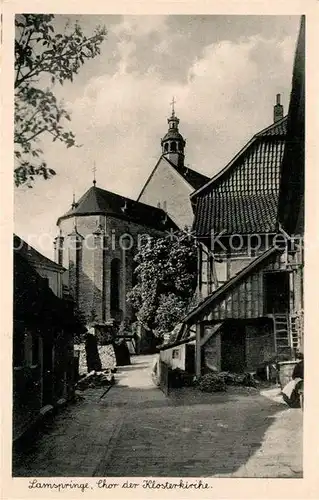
{"points": [[134, 430]]}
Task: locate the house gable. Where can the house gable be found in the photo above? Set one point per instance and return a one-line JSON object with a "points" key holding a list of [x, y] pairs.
{"points": [[276, 130], [243, 198], [167, 188]]}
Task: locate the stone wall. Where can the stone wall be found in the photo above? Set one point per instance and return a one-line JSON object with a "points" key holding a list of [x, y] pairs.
{"points": [[105, 351], [94, 263], [259, 344], [174, 357], [212, 353], [169, 189]]}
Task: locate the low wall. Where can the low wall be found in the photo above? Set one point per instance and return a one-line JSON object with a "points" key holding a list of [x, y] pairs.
{"points": [[259, 345], [106, 353], [174, 357]]}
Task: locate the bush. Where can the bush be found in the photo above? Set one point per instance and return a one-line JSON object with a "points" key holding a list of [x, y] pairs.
{"points": [[212, 382]]}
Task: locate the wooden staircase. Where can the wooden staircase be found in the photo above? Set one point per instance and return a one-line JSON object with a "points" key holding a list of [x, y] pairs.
{"points": [[282, 335]]}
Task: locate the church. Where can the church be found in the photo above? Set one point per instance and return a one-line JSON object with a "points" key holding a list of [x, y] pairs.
{"points": [[100, 234]]}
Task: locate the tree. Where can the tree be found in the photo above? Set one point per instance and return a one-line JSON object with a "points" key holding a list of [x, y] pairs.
{"points": [[166, 275], [43, 59]]}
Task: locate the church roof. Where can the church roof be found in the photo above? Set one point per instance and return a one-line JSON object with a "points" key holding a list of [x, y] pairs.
{"points": [[195, 179], [97, 201], [173, 134]]}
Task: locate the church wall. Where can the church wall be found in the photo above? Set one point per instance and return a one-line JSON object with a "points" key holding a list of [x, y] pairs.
{"points": [[94, 273], [124, 234], [167, 186]]}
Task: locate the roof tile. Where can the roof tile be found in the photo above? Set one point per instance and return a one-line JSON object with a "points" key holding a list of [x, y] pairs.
{"points": [[99, 201]]}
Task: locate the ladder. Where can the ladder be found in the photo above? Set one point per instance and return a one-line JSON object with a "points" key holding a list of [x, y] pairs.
{"points": [[295, 334], [282, 335]]}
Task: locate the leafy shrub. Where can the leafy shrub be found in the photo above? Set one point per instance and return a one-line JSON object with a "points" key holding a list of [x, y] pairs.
{"points": [[212, 382]]}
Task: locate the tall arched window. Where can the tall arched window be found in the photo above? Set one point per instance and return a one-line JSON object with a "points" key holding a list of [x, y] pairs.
{"points": [[115, 285], [173, 147], [166, 147]]}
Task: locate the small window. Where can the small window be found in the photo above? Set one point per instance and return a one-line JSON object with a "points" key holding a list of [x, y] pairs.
{"points": [[176, 354], [166, 147], [173, 147]]}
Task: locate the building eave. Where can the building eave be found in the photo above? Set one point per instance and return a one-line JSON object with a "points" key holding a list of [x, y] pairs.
{"points": [[218, 294], [177, 343], [117, 216]]}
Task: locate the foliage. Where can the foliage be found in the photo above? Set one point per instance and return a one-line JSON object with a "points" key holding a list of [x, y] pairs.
{"points": [[175, 305], [81, 331], [212, 382], [43, 59], [218, 381], [166, 275]]}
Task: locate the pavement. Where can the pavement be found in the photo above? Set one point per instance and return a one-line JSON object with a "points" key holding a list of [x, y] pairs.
{"points": [[135, 430]]}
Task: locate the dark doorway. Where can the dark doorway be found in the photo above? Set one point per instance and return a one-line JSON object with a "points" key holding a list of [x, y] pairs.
{"points": [[190, 359], [233, 356], [115, 286], [276, 292]]}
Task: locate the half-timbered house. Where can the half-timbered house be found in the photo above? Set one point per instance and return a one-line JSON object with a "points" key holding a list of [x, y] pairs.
{"points": [[249, 225]]}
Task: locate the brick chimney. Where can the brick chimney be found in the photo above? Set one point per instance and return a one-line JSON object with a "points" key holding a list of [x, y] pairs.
{"points": [[278, 110]]}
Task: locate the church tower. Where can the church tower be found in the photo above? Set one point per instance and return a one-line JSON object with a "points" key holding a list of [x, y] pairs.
{"points": [[173, 143]]}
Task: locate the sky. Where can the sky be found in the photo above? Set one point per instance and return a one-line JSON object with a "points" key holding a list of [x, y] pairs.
{"points": [[223, 71]]}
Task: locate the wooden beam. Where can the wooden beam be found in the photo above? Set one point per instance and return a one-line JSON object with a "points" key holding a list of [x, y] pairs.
{"points": [[198, 353], [213, 329]]}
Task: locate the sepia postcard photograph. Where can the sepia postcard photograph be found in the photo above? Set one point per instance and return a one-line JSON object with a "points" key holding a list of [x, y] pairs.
{"points": [[158, 250]]}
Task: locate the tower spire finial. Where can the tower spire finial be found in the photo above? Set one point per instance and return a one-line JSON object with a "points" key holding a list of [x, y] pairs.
{"points": [[94, 172], [173, 106], [73, 200]]}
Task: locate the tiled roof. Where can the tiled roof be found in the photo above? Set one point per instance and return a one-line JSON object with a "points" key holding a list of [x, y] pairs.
{"points": [[195, 179], [33, 256], [99, 201], [276, 132], [278, 129], [231, 214], [218, 295], [244, 197]]}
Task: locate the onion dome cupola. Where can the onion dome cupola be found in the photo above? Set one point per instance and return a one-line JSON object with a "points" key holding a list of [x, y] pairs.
{"points": [[173, 143]]}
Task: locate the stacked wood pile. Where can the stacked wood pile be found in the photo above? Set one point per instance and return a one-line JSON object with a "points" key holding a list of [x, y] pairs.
{"points": [[217, 382]]}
